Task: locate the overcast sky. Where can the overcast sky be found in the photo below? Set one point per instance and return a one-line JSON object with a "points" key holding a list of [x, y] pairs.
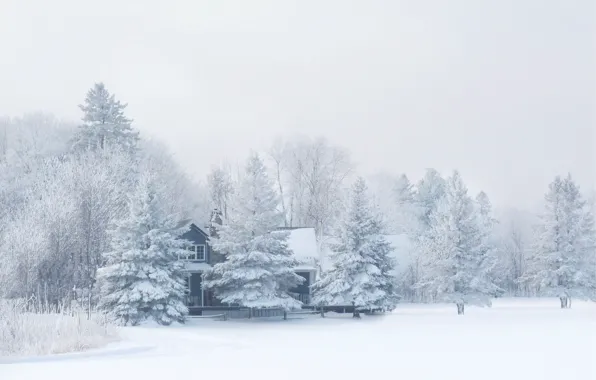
{"points": [[505, 90]]}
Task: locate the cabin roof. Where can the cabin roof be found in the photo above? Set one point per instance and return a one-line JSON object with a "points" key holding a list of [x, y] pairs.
{"points": [[196, 228], [303, 242]]}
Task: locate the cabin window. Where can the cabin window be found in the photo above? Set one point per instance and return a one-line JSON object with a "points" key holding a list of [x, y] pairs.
{"points": [[200, 252], [194, 253]]}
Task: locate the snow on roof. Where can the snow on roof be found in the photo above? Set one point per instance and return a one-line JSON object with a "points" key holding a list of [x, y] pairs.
{"points": [[196, 267], [303, 242], [402, 250]]}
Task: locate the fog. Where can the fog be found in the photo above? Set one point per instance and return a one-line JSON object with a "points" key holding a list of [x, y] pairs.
{"points": [[503, 91]]}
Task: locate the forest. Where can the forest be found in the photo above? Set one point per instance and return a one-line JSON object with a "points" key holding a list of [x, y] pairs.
{"points": [[72, 192]]}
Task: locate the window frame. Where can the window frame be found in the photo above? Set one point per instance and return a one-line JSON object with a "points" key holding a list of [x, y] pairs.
{"points": [[196, 247], [192, 253]]}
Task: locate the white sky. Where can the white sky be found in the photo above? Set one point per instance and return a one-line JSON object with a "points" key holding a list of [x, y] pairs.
{"points": [[505, 90]]}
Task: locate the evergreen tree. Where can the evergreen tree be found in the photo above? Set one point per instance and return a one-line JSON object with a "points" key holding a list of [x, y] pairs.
{"points": [[406, 216], [429, 191], [485, 209], [142, 278], [404, 190], [453, 258], [362, 270], [258, 270], [562, 263], [486, 226], [104, 123]]}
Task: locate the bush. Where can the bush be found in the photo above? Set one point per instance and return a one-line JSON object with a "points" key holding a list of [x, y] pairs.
{"points": [[29, 328]]}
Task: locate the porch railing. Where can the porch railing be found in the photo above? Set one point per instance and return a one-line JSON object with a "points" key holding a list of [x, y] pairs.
{"points": [[193, 301], [304, 298]]}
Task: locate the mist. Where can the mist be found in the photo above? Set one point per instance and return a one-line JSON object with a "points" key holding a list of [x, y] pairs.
{"points": [[502, 91]]}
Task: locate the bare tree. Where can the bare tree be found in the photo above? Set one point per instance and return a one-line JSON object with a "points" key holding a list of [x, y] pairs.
{"points": [[511, 255], [310, 176], [279, 157], [221, 188]]}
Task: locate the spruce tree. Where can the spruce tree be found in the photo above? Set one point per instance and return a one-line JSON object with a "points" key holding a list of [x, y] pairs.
{"points": [[406, 212], [486, 226], [453, 256], [104, 123], [362, 268], [143, 279], [429, 191], [562, 263], [258, 270]]}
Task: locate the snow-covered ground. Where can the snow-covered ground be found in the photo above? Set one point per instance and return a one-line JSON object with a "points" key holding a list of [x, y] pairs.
{"points": [[515, 339]]}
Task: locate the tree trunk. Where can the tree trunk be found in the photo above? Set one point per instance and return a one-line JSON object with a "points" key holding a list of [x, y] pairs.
{"points": [[356, 313], [564, 302], [250, 313], [460, 308], [285, 315], [322, 312]]}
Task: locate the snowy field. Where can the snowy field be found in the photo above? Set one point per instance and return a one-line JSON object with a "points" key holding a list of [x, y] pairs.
{"points": [[515, 339]]}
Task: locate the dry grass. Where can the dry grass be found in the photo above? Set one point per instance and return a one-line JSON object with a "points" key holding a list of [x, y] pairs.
{"points": [[28, 329]]}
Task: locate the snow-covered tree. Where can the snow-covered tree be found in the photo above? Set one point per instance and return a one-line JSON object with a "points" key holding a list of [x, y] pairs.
{"points": [[406, 210], [426, 195], [453, 258], [562, 263], [258, 270], [403, 190], [28, 142], [221, 188], [143, 279], [362, 268], [311, 174], [486, 227], [104, 122], [429, 191]]}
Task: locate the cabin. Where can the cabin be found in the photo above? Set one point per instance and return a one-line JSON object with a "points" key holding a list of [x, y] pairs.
{"points": [[200, 256]]}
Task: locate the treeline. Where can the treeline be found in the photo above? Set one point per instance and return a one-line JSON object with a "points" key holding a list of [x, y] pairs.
{"points": [[548, 253], [62, 188], [553, 254], [66, 189]]}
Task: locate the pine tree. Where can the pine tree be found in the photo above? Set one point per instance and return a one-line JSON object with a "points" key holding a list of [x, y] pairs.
{"points": [[104, 123], [406, 216], [258, 270], [143, 279], [429, 191], [486, 225], [562, 263], [362, 270], [453, 258]]}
